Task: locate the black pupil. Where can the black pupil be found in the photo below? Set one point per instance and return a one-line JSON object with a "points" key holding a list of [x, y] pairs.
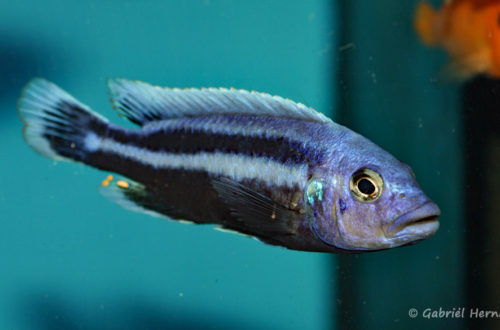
{"points": [[366, 186]]}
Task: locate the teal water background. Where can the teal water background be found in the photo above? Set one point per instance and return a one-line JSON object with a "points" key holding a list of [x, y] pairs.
{"points": [[73, 260]]}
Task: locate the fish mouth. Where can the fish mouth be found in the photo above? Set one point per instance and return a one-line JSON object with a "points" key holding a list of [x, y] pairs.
{"points": [[417, 224]]}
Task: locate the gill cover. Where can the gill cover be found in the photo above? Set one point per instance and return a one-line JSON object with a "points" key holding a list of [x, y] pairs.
{"points": [[320, 210]]}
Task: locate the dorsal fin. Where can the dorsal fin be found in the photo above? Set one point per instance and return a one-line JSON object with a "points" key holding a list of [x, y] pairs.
{"points": [[141, 102]]}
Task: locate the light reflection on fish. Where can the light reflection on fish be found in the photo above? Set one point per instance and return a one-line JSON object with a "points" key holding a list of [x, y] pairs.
{"points": [[248, 162]]}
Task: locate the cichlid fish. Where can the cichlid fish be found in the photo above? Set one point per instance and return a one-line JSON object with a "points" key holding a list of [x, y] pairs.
{"points": [[469, 30], [248, 162]]}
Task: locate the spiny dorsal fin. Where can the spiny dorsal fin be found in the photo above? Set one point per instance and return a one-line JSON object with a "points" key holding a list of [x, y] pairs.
{"points": [[141, 102]]}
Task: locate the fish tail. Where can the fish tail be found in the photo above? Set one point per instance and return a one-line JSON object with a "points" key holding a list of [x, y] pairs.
{"points": [[426, 24], [56, 125]]}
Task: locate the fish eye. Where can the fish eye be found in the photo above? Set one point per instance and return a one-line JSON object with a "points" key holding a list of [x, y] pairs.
{"points": [[366, 185]]}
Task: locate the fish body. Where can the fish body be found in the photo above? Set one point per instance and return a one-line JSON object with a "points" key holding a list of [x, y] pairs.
{"points": [[248, 162], [469, 30]]}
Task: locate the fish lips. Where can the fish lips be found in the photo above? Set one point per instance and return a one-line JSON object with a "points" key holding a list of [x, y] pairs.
{"points": [[421, 221]]}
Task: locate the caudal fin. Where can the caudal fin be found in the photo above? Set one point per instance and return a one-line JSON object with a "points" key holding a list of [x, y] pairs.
{"points": [[55, 124]]}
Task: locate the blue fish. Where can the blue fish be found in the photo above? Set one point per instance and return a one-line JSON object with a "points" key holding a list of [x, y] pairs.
{"points": [[248, 162]]}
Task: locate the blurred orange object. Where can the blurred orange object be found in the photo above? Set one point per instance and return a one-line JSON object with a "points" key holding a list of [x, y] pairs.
{"points": [[469, 30]]}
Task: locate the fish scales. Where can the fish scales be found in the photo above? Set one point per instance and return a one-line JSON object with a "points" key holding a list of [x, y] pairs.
{"points": [[250, 141], [137, 153], [249, 162]]}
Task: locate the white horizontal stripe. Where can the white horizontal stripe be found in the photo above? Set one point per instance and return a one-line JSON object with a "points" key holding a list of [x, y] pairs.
{"points": [[288, 128], [220, 125], [92, 142], [237, 167]]}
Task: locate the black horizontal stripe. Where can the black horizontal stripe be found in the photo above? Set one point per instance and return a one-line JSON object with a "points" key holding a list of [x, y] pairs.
{"points": [[179, 193], [191, 141]]}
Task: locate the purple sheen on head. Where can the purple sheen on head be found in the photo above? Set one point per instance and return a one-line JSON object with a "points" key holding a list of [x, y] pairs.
{"points": [[354, 224], [320, 217]]}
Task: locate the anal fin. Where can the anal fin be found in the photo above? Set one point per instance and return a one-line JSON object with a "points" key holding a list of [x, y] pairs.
{"points": [[136, 197]]}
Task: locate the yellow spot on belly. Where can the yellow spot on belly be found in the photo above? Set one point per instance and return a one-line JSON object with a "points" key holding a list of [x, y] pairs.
{"points": [[122, 184], [106, 181]]}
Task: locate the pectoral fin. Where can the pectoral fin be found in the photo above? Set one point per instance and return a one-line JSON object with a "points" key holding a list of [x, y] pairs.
{"points": [[255, 213]]}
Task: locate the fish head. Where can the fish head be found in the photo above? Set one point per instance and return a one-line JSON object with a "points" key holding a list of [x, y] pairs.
{"points": [[369, 201]]}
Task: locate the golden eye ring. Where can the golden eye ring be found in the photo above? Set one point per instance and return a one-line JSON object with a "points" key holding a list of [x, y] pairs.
{"points": [[366, 185]]}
